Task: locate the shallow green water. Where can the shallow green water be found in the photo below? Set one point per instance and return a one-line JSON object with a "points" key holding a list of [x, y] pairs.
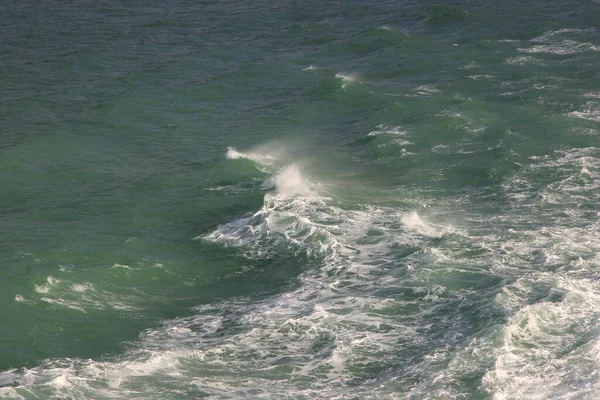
{"points": [[297, 200]]}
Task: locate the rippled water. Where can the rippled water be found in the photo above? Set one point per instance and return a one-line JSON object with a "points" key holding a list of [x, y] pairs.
{"points": [[394, 200]]}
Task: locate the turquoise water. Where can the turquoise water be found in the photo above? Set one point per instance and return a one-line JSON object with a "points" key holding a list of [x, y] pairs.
{"points": [[394, 200]]}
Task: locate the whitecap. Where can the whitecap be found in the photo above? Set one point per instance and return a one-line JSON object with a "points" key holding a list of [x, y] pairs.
{"points": [[480, 77], [590, 112], [551, 34], [387, 130], [426, 90], [77, 287], [347, 79], [122, 266], [564, 47], [523, 60]]}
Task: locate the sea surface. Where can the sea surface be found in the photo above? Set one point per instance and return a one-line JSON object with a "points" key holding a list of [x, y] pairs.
{"points": [[300, 199]]}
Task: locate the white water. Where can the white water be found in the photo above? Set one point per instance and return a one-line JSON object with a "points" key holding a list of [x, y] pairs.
{"points": [[381, 309]]}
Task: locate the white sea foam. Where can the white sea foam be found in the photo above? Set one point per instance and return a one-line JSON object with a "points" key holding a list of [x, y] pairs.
{"points": [[454, 149], [426, 90], [79, 296], [576, 173], [593, 115], [121, 266], [326, 326], [548, 36], [285, 208], [388, 298], [347, 79], [451, 114], [50, 281], [541, 354], [77, 287], [564, 47], [388, 130], [523, 60], [548, 346], [396, 142], [62, 303], [10, 393], [480, 77], [559, 42], [590, 111], [586, 131], [389, 28], [42, 288]]}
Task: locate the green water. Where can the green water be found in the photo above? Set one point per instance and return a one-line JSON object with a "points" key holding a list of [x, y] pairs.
{"points": [[299, 200]]}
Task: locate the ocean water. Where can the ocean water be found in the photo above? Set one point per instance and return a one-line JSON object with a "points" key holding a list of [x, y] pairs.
{"points": [[300, 200]]}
